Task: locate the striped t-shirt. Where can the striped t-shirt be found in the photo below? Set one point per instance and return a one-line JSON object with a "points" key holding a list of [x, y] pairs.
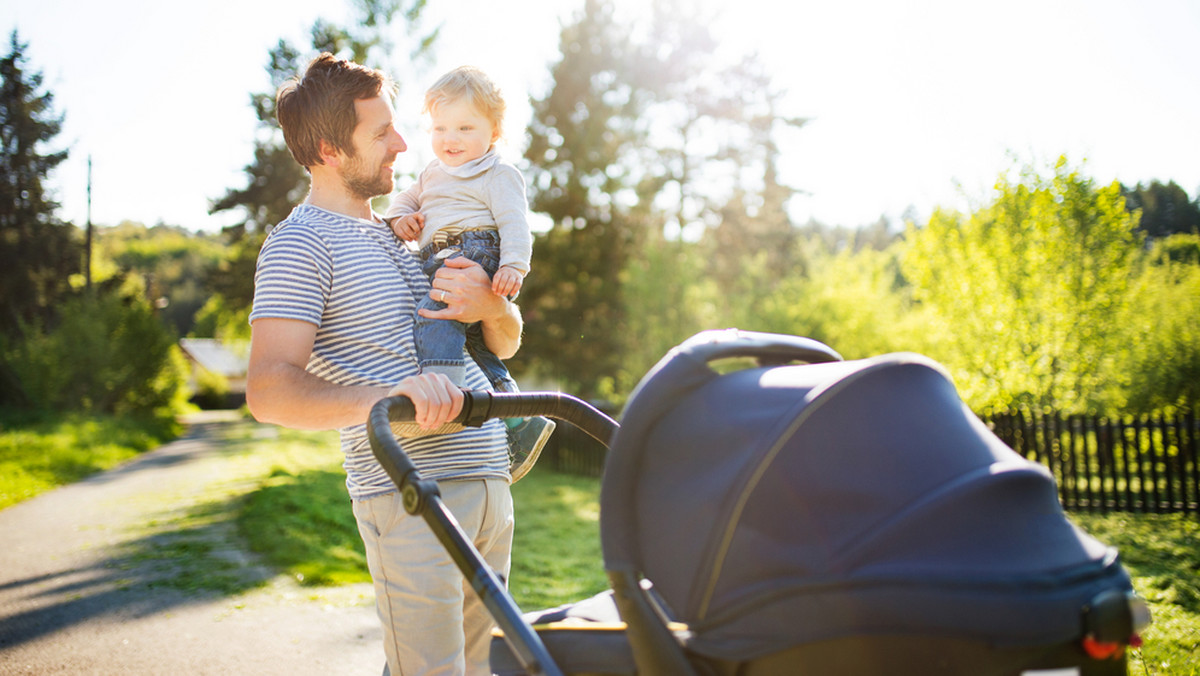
{"points": [[360, 286]]}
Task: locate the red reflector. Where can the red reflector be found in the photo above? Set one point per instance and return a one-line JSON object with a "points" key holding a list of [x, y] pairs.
{"points": [[1099, 650]]}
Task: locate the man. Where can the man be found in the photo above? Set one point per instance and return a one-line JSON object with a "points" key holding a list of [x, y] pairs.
{"points": [[332, 324]]}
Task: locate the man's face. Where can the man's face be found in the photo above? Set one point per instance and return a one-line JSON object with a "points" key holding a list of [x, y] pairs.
{"points": [[367, 172]]}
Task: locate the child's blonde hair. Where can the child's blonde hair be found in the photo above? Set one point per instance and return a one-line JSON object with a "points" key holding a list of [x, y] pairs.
{"points": [[476, 87]]}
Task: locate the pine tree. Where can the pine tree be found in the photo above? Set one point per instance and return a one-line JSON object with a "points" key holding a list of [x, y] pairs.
{"points": [[38, 252], [649, 137], [1165, 209], [584, 127]]}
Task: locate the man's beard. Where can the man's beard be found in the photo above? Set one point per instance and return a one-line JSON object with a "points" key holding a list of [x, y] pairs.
{"points": [[362, 182]]}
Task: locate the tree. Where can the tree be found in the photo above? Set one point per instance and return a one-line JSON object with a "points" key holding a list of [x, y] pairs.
{"points": [[650, 136], [109, 353], [275, 182], [1020, 296], [38, 252], [711, 152], [1165, 209], [573, 299], [171, 262], [668, 302], [101, 351], [1162, 369], [709, 173]]}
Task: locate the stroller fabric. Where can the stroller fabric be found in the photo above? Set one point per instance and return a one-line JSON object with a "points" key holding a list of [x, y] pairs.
{"points": [[772, 507]]}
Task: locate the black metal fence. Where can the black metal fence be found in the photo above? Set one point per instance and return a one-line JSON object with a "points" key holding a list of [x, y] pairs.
{"points": [[1135, 464]]}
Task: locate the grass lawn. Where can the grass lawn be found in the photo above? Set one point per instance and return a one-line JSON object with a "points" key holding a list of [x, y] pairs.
{"points": [[556, 548], [40, 454], [299, 520]]}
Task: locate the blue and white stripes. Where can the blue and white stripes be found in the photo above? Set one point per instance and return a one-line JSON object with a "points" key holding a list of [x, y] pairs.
{"points": [[360, 286]]}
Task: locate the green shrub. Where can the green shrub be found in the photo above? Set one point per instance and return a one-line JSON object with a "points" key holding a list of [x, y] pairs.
{"points": [[107, 354]]}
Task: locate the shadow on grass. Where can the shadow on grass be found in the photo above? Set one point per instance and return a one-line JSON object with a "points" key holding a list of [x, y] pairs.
{"points": [[1163, 549], [303, 524]]}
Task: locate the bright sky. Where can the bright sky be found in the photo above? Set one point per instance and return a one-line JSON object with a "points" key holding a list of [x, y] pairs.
{"points": [[908, 100]]}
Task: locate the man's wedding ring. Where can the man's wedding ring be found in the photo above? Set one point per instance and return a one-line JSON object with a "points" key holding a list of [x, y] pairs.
{"points": [[442, 298]]}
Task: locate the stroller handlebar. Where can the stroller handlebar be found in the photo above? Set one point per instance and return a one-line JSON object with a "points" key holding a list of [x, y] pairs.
{"points": [[767, 348], [478, 407]]}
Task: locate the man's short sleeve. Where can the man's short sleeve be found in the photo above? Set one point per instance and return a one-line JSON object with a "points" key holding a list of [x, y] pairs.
{"points": [[293, 276]]}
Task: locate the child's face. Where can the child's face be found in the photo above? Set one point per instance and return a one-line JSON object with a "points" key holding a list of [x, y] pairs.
{"points": [[461, 133]]}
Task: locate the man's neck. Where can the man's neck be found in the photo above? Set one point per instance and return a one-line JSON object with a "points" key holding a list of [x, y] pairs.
{"points": [[333, 196]]}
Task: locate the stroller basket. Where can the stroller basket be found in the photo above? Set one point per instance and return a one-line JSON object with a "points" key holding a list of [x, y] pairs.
{"points": [[818, 517]]}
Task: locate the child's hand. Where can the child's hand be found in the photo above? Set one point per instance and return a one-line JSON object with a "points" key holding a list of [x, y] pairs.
{"points": [[507, 282], [408, 228]]}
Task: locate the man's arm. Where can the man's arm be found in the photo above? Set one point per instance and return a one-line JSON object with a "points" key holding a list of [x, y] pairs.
{"points": [[469, 298], [502, 334], [279, 390]]}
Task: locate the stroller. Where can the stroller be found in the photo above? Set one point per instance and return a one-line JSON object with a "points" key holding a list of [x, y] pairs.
{"points": [[804, 515]]}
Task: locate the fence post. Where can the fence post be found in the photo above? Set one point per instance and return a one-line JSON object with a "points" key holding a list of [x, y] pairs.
{"points": [[1123, 435], [1168, 465], [1070, 457], [1091, 444], [1067, 458], [1112, 482], [1077, 485], [1040, 424], [1020, 430], [1190, 417], [1085, 448], [1176, 488], [1143, 492], [1152, 452]]}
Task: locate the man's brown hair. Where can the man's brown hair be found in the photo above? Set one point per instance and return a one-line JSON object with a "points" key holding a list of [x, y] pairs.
{"points": [[319, 106]]}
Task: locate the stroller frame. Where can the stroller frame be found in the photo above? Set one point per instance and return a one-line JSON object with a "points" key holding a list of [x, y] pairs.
{"points": [[421, 497]]}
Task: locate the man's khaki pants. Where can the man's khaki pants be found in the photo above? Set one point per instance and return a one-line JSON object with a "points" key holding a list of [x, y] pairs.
{"points": [[433, 622]]}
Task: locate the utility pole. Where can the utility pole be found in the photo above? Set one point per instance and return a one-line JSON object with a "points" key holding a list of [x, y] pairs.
{"points": [[87, 260]]}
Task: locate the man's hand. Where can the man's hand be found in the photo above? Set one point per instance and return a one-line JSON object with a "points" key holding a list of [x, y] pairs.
{"points": [[408, 228], [434, 396], [463, 285]]}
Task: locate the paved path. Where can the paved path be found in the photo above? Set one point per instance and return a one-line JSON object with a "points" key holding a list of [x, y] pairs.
{"points": [[82, 583]]}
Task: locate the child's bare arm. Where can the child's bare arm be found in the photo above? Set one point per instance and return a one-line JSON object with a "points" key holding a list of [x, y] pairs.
{"points": [[408, 228], [507, 281]]}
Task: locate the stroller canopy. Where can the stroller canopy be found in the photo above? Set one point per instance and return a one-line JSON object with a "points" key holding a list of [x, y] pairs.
{"points": [[786, 504]]}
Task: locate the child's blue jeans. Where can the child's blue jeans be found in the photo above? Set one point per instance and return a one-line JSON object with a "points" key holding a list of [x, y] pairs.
{"points": [[440, 342]]}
